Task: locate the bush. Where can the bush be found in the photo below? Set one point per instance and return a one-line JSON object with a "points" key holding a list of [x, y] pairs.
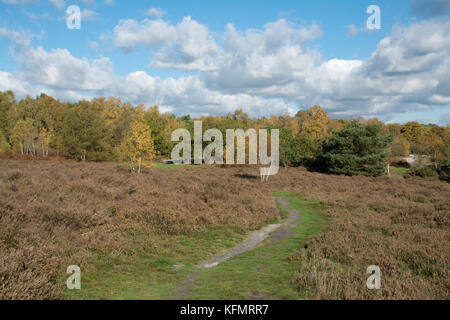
{"points": [[299, 151], [355, 150], [444, 171], [424, 172]]}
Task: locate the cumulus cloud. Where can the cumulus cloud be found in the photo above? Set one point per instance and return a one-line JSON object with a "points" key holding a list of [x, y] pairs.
{"points": [[264, 71], [408, 70], [192, 93], [258, 59], [187, 45], [57, 68], [21, 88], [192, 49], [129, 34]]}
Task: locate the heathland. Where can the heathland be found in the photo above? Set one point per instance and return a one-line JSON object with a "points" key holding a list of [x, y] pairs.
{"points": [[141, 235], [80, 185]]}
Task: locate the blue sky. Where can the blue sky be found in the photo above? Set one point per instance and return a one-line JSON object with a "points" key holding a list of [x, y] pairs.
{"points": [[227, 56]]}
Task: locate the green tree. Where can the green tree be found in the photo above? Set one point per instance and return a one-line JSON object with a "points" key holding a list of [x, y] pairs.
{"points": [[355, 150], [84, 133], [161, 126], [435, 142], [23, 136], [4, 145], [7, 102], [298, 150]]}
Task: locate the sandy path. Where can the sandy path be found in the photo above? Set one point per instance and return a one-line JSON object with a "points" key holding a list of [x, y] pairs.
{"points": [[276, 232]]}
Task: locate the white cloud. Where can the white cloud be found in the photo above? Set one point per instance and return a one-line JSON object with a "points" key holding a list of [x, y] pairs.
{"points": [[408, 70], [264, 58], [129, 34], [21, 88], [156, 12], [191, 93], [192, 49], [264, 71], [59, 69], [187, 45]]}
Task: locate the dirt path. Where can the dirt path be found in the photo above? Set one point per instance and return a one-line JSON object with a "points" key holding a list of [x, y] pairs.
{"points": [[275, 232], [254, 239], [286, 228]]}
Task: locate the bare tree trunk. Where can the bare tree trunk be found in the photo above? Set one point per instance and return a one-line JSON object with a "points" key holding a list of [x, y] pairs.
{"points": [[389, 170], [140, 164]]}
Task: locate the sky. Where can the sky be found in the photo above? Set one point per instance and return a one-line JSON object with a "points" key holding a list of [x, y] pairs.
{"points": [[210, 57]]}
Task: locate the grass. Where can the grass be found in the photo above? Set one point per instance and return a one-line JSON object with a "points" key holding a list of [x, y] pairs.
{"points": [[398, 171], [265, 271], [151, 275], [141, 235], [170, 166]]}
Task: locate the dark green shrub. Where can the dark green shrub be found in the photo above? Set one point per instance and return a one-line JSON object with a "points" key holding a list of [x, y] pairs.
{"points": [[355, 150], [424, 172], [444, 171]]}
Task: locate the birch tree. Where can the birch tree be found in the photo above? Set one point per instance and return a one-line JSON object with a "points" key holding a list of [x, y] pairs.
{"points": [[138, 145]]}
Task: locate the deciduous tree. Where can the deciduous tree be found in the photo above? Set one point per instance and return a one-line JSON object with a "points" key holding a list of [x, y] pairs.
{"points": [[138, 145]]}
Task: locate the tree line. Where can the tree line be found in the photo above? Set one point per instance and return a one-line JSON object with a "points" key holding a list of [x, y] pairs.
{"points": [[108, 129]]}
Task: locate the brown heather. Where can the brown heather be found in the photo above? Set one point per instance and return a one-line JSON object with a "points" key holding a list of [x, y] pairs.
{"points": [[53, 214], [401, 225]]}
